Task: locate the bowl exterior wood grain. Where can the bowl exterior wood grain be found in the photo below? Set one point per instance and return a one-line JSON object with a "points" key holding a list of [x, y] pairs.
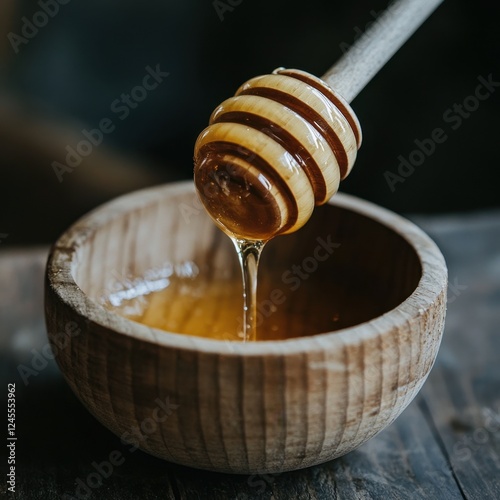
{"points": [[228, 406]]}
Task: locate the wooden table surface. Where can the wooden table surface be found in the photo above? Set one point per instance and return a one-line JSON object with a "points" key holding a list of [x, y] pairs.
{"points": [[445, 445]]}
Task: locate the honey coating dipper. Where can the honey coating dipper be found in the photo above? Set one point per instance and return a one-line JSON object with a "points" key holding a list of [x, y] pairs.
{"points": [[283, 143]]}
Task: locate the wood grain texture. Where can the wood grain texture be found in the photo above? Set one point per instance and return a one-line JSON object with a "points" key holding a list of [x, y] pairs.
{"points": [[242, 408], [435, 449], [463, 405]]}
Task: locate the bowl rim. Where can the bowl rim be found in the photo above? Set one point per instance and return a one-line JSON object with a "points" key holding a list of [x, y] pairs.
{"points": [[63, 259]]}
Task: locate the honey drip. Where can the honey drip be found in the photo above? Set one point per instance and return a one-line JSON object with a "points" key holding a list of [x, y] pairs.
{"points": [[248, 256]]}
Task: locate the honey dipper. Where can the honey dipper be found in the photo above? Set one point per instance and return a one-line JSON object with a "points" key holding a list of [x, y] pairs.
{"points": [[282, 144]]}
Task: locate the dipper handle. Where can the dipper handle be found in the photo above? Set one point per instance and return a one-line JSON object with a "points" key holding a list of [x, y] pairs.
{"points": [[350, 74], [282, 144]]}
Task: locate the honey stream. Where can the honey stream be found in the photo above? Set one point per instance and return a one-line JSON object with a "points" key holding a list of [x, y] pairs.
{"points": [[248, 256]]}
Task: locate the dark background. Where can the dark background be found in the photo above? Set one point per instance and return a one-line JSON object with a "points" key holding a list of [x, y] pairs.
{"points": [[65, 78]]}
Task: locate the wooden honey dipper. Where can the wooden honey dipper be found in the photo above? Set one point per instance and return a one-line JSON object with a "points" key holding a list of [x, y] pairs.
{"points": [[282, 144]]}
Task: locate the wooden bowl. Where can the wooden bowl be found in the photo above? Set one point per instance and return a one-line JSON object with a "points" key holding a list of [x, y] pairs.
{"points": [[260, 407]]}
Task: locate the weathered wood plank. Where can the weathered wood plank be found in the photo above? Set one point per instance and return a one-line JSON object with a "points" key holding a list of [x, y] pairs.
{"points": [[445, 445], [462, 395]]}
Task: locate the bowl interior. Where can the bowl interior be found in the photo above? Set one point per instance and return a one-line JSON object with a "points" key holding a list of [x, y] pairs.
{"points": [[342, 269]]}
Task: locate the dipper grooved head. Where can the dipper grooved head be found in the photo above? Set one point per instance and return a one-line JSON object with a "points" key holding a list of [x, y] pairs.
{"points": [[278, 147]]}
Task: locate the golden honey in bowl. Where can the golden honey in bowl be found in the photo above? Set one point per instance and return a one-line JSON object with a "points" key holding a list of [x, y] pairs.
{"points": [[296, 300]]}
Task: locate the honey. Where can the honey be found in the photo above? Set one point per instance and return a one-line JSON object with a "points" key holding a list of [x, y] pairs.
{"points": [[289, 304]]}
